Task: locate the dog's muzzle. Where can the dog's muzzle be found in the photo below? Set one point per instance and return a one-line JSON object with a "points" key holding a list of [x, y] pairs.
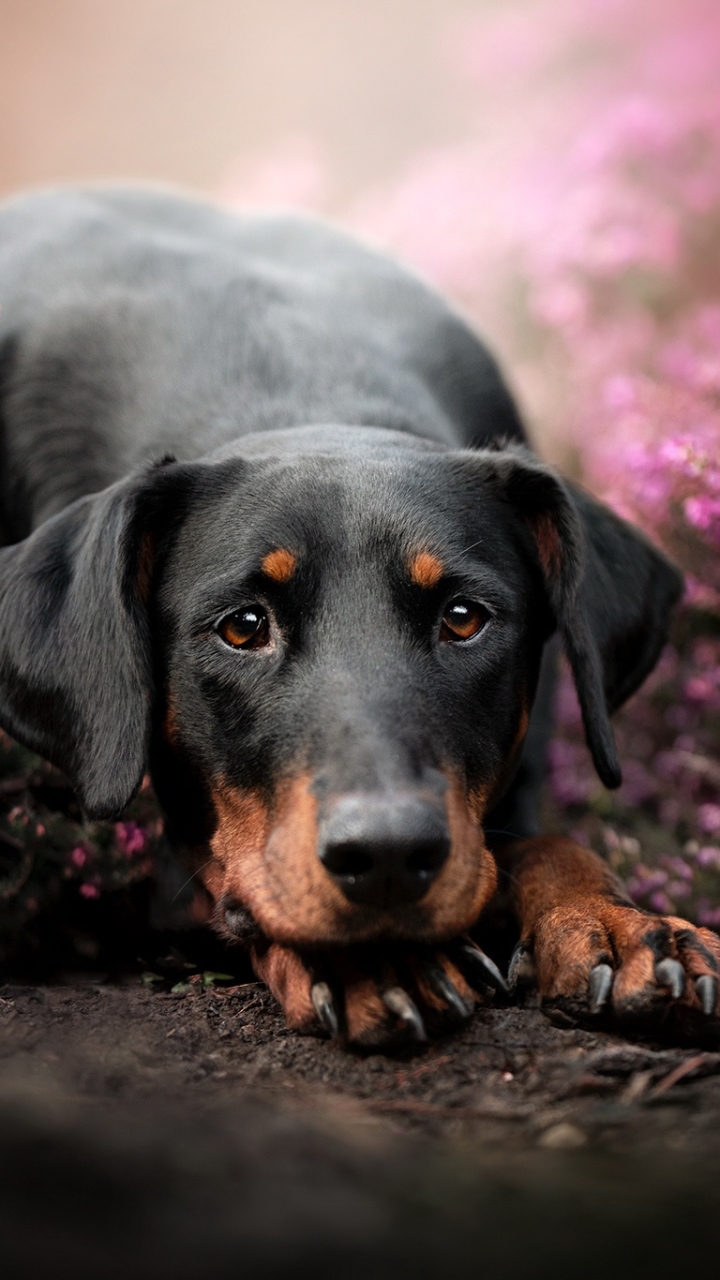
{"points": [[384, 850]]}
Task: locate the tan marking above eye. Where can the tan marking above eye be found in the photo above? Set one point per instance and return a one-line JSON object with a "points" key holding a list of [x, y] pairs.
{"points": [[425, 569], [462, 620], [279, 564]]}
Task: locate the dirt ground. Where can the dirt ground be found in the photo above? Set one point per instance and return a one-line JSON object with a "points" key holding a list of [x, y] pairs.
{"points": [[149, 1132]]}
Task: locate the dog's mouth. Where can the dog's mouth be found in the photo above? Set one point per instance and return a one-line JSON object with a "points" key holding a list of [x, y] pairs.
{"points": [[373, 867], [233, 918]]}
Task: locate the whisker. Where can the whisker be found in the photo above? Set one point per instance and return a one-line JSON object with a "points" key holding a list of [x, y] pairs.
{"points": [[192, 877], [472, 546], [503, 831]]}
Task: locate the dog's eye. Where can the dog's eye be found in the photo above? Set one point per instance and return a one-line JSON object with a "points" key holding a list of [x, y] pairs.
{"points": [[462, 620], [246, 629]]}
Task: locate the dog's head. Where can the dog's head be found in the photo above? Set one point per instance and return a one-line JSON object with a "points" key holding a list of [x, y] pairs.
{"points": [[328, 655]]}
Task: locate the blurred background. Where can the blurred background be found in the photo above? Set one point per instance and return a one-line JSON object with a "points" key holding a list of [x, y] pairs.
{"points": [[185, 91], [554, 167]]}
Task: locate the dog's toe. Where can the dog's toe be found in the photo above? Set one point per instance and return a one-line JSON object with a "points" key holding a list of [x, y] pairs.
{"points": [[407, 1012], [615, 960], [374, 995]]}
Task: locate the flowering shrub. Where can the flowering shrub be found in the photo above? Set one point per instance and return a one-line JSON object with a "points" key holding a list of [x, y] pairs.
{"points": [[48, 852], [661, 830], [579, 223], [584, 229]]}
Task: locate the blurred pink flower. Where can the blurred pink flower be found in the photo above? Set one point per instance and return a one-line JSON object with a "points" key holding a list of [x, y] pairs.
{"points": [[708, 856], [89, 891], [130, 839], [660, 901], [709, 817], [710, 917]]}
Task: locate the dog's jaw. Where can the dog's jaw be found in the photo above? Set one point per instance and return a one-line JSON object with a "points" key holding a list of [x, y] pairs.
{"points": [[264, 867]]}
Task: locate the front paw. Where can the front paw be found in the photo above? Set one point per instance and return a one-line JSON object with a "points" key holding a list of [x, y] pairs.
{"points": [[605, 957], [373, 995]]}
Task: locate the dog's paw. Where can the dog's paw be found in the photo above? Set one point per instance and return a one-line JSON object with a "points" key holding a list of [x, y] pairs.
{"points": [[369, 996], [603, 957]]}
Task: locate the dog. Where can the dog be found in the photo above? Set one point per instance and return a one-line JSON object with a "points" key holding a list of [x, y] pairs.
{"points": [[273, 532]]}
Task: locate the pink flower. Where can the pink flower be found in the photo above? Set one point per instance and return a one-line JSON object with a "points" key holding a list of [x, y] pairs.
{"points": [[708, 856], [659, 901], [679, 868], [709, 817], [710, 917], [89, 891], [130, 838], [78, 856], [699, 689], [619, 392]]}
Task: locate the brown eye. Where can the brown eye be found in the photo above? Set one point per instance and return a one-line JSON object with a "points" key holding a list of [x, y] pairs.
{"points": [[246, 629], [462, 620]]}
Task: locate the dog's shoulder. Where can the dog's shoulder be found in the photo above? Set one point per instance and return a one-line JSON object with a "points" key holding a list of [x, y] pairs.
{"points": [[138, 322]]}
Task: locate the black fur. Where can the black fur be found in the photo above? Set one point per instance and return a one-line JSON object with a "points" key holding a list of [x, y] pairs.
{"points": [[314, 395]]}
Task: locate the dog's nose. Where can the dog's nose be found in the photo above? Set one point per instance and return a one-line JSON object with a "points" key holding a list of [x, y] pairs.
{"points": [[384, 851]]}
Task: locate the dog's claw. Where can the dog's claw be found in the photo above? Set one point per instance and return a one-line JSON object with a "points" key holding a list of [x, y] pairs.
{"points": [[399, 1003], [444, 988], [707, 987], [321, 996], [521, 971], [599, 986], [670, 973], [483, 968]]}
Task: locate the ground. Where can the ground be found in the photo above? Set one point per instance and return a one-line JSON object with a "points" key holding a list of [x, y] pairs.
{"points": [[151, 1132]]}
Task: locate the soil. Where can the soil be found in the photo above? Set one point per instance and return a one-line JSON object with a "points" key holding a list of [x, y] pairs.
{"points": [[149, 1132]]}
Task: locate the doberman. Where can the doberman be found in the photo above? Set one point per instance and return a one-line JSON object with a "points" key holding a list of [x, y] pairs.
{"points": [[273, 532]]}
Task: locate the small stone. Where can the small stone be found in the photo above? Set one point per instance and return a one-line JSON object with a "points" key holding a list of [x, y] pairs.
{"points": [[563, 1137]]}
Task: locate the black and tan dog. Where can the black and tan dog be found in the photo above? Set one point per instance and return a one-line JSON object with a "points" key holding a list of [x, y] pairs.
{"points": [[319, 622]]}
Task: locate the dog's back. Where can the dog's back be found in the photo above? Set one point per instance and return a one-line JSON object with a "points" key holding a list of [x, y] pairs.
{"points": [[135, 323]]}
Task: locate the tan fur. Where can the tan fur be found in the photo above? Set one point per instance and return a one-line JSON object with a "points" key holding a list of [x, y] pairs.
{"points": [[279, 564], [425, 569], [266, 858], [289, 981], [574, 915]]}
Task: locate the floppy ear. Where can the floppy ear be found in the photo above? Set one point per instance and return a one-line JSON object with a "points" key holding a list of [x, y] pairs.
{"points": [[611, 591], [75, 660], [628, 592]]}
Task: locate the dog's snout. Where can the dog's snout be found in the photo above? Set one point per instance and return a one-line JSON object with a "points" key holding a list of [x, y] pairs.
{"points": [[384, 851]]}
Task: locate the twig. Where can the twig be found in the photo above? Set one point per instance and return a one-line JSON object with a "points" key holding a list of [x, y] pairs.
{"points": [[686, 1068]]}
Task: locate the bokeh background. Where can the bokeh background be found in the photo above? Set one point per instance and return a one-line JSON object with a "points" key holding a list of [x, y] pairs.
{"points": [[552, 165]]}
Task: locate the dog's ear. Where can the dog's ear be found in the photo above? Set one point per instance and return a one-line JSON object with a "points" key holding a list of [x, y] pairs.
{"points": [[611, 592], [75, 655]]}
